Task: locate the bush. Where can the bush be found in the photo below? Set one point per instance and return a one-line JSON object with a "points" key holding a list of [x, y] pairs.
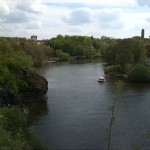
{"points": [[12, 79], [61, 55], [15, 132], [113, 69], [139, 73]]}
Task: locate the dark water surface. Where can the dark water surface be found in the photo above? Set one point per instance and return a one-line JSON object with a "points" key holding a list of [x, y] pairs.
{"points": [[77, 114]]}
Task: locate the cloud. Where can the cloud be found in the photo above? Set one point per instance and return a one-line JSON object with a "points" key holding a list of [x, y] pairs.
{"points": [[109, 18], [112, 25], [30, 6], [4, 9], [108, 15], [16, 17], [105, 18], [34, 25], [79, 16], [148, 19], [48, 18], [143, 2], [70, 5], [20, 12], [74, 30]]}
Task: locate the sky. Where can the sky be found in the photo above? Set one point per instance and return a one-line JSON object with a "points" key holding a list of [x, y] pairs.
{"points": [[49, 18]]}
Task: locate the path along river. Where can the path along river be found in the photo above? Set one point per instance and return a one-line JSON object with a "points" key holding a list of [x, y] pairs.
{"points": [[77, 114]]}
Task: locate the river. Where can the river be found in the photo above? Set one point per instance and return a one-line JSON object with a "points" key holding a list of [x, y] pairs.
{"points": [[76, 114]]}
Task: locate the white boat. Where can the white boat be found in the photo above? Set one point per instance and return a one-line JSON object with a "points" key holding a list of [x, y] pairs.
{"points": [[101, 79]]}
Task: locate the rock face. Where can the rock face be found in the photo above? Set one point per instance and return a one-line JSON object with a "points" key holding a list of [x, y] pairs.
{"points": [[37, 85], [6, 98], [36, 89]]}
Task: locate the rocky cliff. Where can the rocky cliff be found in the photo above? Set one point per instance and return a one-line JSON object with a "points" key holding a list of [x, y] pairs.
{"points": [[35, 90]]}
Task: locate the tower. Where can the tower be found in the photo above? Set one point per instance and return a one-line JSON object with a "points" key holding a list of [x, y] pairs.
{"points": [[34, 37], [142, 34]]}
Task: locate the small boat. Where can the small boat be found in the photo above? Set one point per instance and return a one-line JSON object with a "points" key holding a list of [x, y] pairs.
{"points": [[101, 79]]}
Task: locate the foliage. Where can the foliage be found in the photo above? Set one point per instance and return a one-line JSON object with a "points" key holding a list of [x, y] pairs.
{"points": [[5, 47], [126, 51], [131, 51], [8, 142], [40, 53], [139, 73], [15, 58], [110, 52], [12, 80], [15, 132], [61, 55], [27, 52], [18, 58], [75, 45], [118, 95], [114, 69]]}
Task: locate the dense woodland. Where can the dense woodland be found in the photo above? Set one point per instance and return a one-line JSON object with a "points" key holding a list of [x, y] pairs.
{"points": [[126, 57]]}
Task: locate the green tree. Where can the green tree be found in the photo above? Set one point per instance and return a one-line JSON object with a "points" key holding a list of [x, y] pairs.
{"points": [[12, 79], [15, 133], [40, 53], [111, 52], [5, 47], [118, 95], [139, 73], [61, 55]]}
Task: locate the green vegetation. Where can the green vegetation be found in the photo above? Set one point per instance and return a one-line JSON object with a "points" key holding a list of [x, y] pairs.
{"points": [[126, 51], [15, 133], [61, 55], [118, 95], [23, 52], [18, 58], [12, 80], [128, 56], [121, 55], [114, 69], [139, 73], [80, 46]]}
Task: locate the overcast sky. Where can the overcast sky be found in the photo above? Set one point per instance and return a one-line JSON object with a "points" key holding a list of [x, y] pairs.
{"points": [[48, 18]]}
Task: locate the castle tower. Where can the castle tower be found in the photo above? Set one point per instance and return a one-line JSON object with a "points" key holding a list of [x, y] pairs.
{"points": [[34, 37], [142, 34]]}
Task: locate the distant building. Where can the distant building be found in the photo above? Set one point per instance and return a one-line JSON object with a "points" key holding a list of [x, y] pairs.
{"points": [[142, 34], [34, 37], [106, 38]]}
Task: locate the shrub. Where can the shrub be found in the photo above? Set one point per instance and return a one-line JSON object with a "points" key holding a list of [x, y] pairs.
{"points": [[139, 73], [15, 132], [113, 69], [61, 55]]}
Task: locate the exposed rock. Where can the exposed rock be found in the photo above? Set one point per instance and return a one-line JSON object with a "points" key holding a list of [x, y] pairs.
{"points": [[35, 88], [6, 98], [37, 85]]}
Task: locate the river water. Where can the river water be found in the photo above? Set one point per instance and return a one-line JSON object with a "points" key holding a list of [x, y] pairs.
{"points": [[76, 114]]}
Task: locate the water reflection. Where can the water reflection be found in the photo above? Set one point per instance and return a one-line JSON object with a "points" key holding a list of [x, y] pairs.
{"points": [[37, 110]]}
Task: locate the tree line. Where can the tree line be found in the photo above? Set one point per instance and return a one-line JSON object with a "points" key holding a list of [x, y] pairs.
{"points": [[123, 56]]}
